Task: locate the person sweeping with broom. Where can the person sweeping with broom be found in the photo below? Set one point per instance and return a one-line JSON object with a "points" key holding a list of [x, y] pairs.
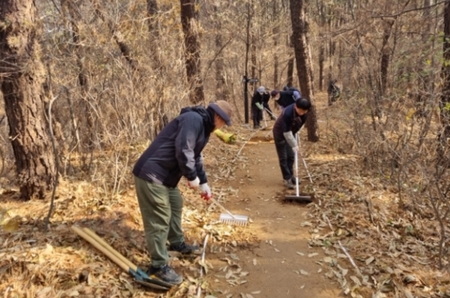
{"points": [[286, 127], [173, 154]]}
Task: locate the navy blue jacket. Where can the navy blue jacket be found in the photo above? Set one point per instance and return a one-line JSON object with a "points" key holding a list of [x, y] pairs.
{"points": [[176, 150], [287, 97], [289, 120]]}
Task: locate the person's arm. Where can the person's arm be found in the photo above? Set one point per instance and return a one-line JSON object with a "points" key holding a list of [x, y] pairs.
{"points": [[201, 174], [189, 129], [287, 127], [290, 139]]}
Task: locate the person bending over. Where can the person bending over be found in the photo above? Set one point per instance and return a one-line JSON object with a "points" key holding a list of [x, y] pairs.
{"points": [[284, 131], [174, 153]]}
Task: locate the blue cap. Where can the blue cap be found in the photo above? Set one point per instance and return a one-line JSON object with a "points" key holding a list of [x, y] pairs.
{"points": [[223, 109]]}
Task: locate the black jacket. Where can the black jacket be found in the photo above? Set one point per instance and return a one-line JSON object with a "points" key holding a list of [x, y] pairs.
{"points": [[287, 98], [289, 120], [257, 98], [176, 150]]}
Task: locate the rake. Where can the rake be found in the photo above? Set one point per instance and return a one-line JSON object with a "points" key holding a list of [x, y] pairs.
{"points": [[230, 218], [268, 111], [297, 196], [138, 274]]}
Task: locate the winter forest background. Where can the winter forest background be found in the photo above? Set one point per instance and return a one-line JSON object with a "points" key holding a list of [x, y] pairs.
{"points": [[107, 75]]}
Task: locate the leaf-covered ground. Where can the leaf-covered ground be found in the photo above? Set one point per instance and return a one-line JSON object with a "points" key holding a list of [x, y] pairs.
{"points": [[354, 240]]}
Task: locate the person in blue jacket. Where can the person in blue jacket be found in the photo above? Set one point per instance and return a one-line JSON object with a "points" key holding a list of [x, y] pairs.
{"points": [[284, 130], [284, 98], [173, 154]]}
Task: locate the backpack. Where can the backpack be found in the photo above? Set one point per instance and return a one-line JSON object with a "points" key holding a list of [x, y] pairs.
{"points": [[291, 90]]}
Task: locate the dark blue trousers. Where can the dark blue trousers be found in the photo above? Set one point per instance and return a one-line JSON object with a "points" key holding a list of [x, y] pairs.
{"points": [[285, 158]]}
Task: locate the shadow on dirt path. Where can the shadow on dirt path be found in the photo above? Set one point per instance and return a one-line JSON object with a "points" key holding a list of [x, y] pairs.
{"points": [[282, 264]]}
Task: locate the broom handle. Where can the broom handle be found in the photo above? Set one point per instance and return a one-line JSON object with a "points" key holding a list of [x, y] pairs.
{"points": [[222, 207], [98, 246]]}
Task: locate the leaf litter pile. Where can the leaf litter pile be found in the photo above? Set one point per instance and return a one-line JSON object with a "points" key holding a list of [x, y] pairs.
{"points": [[372, 249]]}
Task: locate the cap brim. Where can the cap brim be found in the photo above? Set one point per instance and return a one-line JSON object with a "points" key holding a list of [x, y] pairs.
{"points": [[221, 114]]}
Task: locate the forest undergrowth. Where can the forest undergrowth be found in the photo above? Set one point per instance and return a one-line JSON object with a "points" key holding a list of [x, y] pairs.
{"points": [[378, 243]]}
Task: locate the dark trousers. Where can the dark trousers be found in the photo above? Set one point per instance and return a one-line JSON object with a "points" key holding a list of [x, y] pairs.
{"points": [[257, 116], [285, 158]]}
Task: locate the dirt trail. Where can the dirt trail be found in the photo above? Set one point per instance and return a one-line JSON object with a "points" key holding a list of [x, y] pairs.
{"points": [[282, 264]]}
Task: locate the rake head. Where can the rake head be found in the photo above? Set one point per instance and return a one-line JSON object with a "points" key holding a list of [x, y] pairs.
{"points": [[299, 198], [238, 220]]}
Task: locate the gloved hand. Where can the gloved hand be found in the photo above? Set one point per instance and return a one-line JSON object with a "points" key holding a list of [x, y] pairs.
{"points": [[259, 106], [194, 183], [295, 149], [206, 192]]}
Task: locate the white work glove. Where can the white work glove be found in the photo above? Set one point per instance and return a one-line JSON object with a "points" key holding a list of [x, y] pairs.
{"points": [[290, 139], [259, 106], [206, 192], [295, 149], [194, 183]]}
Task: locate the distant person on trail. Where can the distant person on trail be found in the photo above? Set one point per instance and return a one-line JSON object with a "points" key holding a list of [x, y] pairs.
{"points": [[173, 154], [285, 129], [266, 99], [333, 92], [284, 98], [257, 105]]}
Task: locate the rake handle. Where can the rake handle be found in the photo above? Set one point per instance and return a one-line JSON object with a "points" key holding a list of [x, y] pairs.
{"points": [[222, 207], [110, 248], [98, 246], [296, 166]]}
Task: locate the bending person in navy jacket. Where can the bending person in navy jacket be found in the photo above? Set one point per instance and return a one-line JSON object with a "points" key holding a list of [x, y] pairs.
{"points": [[174, 153], [286, 127]]}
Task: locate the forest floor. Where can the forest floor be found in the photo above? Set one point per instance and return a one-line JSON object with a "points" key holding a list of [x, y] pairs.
{"points": [[348, 242]]}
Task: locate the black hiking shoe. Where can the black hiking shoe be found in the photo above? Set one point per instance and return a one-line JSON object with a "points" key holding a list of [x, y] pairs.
{"points": [[166, 274], [289, 185], [293, 180], [185, 249]]}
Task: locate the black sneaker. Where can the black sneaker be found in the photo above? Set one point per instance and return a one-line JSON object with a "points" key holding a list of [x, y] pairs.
{"points": [[289, 185], [166, 274], [185, 249], [293, 180]]}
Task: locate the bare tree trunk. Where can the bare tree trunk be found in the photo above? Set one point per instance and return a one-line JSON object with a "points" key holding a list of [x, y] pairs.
{"points": [[189, 20], [445, 99], [385, 55], [247, 51], [290, 72], [222, 92], [87, 118], [290, 67], [23, 76], [158, 117], [276, 31], [253, 59], [303, 57], [117, 36]]}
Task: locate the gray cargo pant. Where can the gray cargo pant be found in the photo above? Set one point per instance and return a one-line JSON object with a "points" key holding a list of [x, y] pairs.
{"points": [[161, 209]]}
